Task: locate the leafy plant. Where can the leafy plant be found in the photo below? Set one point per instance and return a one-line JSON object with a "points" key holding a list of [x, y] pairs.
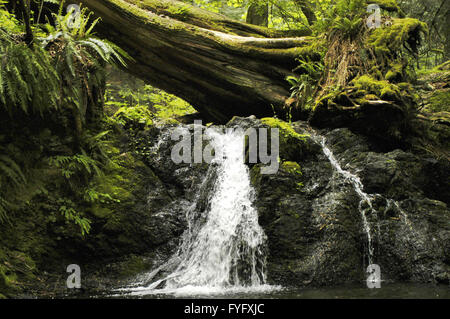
{"points": [[348, 27], [76, 164], [98, 146], [93, 196], [304, 85], [11, 175], [80, 59], [28, 79], [71, 215]]}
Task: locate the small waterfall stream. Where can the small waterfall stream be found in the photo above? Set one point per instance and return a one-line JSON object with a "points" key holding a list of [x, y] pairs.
{"points": [[222, 250], [365, 199], [365, 206]]}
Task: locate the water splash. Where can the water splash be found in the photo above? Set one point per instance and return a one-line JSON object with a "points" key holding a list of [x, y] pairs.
{"points": [[223, 248]]}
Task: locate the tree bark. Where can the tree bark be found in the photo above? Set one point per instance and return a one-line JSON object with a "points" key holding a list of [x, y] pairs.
{"points": [[25, 11], [221, 66], [258, 14], [307, 11]]}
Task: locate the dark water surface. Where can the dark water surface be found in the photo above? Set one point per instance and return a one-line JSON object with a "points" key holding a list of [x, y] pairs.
{"points": [[387, 291]]}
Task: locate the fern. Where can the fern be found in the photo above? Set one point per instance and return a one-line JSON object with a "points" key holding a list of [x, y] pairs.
{"points": [[80, 60], [92, 196], [28, 79], [71, 215], [11, 176], [76, 164], [303, 86], [98, 146]]}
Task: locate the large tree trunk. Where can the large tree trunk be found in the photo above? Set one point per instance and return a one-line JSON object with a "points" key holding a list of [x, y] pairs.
{"points": [[221, 66], [258, 14], [307, 10]]}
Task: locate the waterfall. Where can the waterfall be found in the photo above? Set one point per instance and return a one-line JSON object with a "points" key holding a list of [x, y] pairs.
{"points": [[222, 250], [365, 205], [365, 199]]}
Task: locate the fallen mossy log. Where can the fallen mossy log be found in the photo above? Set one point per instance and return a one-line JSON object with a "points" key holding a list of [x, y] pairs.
{"points": [[221, 66]]}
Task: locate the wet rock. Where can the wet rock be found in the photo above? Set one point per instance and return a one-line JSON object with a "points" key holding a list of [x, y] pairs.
{"points": [[310, 214], [315, 232]]}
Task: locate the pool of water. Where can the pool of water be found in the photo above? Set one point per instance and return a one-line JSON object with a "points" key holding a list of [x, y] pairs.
{"points": [[387, 291]]}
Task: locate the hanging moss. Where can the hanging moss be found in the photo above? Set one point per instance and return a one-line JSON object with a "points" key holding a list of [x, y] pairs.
{"points": [[390, 39]]}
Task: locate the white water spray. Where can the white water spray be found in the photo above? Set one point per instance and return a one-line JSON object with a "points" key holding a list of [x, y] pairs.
{"points": [[222, 251], [358, 187]]}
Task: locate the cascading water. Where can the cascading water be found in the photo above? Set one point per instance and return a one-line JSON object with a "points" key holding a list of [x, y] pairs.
{"points": [[365, 205], [366, 199], [222, 251]]}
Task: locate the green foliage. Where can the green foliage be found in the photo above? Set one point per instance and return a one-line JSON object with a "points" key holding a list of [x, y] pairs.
{"points": [[62, 70], [68, 211], [11, 176], [76, 164], [304, 85], [98, 146], [65, 69], [439, 101], [134, 104], [80, 58], [133, 116], [349, 28], [27, 77], [343, 16], [8, 21], [93, 196]]}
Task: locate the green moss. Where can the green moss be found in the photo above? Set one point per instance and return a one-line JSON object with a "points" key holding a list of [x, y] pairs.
{"points": [[135, 265], [439, 101], [179, 12], [395, 73], [4, 280], [370, 97], [15, 267], [392, 38], [285, 129], [382, 88], [291, 167]]}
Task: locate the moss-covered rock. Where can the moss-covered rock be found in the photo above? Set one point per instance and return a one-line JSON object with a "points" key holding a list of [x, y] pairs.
{"points": [[381, 88], [292, 144], [291, 167]]}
